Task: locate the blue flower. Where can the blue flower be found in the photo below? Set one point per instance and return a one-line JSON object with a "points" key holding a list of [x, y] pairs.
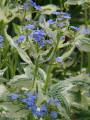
{"points": [[36, 111], [38, 36], [32, 96], [49, 41], [42, 43], [61, 25], [39, 112], [66, 16], [28, 26], [85, 31], [38, 7], [53, 101], [63, 14], [54, 114], [14, 96], [56, 13], [75, 28], [62, 38], [50, 21], [58, 59], [60, 19], [28, 101], [26, 6], [21, 38], [1, 38], [43, 109], [57, 102], [33, 4]]}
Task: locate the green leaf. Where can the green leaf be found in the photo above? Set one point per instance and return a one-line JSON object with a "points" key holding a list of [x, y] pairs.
{"points": [[2, 3], [42, 74], [75, 2], [48, 9], [20, 81], [29, 72], [3, 90], [83, 43], [21, 52], [14, 111], [2, 71]]}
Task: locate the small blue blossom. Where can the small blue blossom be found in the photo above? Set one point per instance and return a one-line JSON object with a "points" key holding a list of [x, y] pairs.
{"points": [[50, 21], [14, 96], [58, 59], [62, 38], [38, 7], [26, 6], [63, 13], [74, 28], [32, 96], [21, 38], [28, 101], [42, 43], [61, 25], [53, 101], [33, 4], [1, 38], [53, 114], [36, 111], [28, 26], [39, 112], [56, 13], [60, 19], [85, 31], [57, 102], [34, 108], [48, 41], [66, 16], [44, 109]]}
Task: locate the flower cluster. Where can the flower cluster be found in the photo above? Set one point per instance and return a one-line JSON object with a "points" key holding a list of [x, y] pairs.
{"points": [[39, 37], [47, 108]]}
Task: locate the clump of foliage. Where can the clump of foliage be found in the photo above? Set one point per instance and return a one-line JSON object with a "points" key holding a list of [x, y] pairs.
{"points": [[43, 75]]}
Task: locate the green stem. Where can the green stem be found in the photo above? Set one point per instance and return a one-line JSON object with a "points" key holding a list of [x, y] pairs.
{"points": [[88, 69], [81, 61], [36, 65], [61, 4], [50, 67]]}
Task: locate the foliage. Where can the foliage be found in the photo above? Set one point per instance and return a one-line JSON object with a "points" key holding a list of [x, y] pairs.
{"points": [[45, 61]]}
